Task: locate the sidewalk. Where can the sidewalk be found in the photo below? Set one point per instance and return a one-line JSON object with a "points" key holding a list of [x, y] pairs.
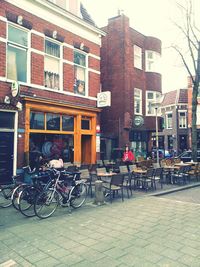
{"points": [[141, 231]]}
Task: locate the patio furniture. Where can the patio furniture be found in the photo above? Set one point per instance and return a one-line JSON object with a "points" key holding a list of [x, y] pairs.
{"points": [[179, 177], [115, 185], [157, 177]]}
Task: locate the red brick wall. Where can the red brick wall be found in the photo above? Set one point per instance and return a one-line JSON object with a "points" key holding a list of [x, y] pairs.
{"points": [[37, 42], [94, 83], [2, 59], [37, 69], [2, 29]]}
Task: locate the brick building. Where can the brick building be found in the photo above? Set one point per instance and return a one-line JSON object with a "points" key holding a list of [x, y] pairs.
{"points": [[49, 80], [130, 70], [174, 110]]}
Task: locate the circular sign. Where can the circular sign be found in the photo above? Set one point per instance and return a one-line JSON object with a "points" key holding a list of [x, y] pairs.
{"points": [[14, 88], [138, 121]]}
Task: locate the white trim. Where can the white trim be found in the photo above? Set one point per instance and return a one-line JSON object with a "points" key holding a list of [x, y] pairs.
{"points": [[94, 71], [37, 33], [61, 18], [81, 96], [65, 61], [68, 45], [37, 51], [168, 112], [3, 40], [3, 19], [94, 56], [182, 110]]}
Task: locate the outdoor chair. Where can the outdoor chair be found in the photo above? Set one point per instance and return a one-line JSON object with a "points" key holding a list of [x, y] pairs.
{"points": [[145, 181], [115, 185], [179, 176], [157, 177], [127, 179]]}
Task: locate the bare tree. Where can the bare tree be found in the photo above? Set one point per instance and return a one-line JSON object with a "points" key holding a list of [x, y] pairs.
{"points": [[192, 62]]}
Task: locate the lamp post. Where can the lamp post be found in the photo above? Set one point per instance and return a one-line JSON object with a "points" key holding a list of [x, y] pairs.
{"points": [[157, 144]]}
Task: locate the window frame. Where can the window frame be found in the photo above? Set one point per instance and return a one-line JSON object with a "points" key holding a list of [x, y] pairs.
{"points": [[153, 100], [182, 119], [60, 59], [167, 120], [86, 72], [136, 98], [152, 64], [137, 57], [19, 47]]}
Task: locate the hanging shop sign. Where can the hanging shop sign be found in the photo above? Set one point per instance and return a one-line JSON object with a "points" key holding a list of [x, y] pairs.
{"points": [[104, 99], [14, 89], [138, 121]]}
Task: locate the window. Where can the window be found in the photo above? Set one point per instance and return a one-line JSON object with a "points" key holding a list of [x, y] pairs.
{"points": [[85, 123], [52, 65], [7, 120], [17, 48], [80, 63], [152, 97], [169, 121], [152, 61], [137, 57], [53, 121], [67, 123], [137, 101], [182, 119], [37, 120]]}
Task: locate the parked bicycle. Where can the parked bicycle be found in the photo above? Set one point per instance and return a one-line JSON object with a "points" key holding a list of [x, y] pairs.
{"points": [[68, 190]]}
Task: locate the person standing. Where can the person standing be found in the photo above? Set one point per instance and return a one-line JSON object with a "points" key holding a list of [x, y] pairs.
{"points": [[128, 157]]}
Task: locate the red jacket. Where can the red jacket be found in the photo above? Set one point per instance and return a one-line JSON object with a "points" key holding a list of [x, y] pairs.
{"points": [[128, 156]]}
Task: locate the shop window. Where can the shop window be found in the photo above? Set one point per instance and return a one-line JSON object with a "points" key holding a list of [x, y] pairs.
{"points": [[67, 123], [85, 123], [53, 121], [17, 48], [52, 65], [7, 120], [80, 65], [37, 120]]}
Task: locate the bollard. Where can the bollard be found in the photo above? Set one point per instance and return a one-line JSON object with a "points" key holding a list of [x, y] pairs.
{"points": [[99, 195]]}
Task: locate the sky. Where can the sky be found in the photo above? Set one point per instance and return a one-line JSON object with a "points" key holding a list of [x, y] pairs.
{"points": [[152, 18]]}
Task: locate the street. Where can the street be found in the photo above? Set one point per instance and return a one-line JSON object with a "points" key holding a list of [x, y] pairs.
{"points": [[142, 231]]}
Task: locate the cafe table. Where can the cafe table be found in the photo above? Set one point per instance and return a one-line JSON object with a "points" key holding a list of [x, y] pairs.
{"points": [[180, 164], [105, 176], [169, 170]]}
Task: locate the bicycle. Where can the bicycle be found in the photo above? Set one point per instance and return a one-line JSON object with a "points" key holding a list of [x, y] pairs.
{"points": [[68, 190], [28, 194]]}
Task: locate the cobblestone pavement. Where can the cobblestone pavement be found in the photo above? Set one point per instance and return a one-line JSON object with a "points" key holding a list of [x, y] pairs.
{"points": [[145, 231]]}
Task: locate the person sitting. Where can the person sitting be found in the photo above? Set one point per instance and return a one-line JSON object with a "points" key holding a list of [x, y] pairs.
{"points": [[128, 157], [56, 163]]}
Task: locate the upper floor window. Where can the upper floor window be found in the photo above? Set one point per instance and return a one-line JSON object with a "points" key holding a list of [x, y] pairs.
{"points": [[80, 73], [182, 119], [152, 61], [17, 48], [137, 57], [52, 65], [152, 97], [169, 121], [137, 101]]}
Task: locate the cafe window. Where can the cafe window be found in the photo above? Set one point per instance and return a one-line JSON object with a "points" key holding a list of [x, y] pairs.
{"points": [[52, 65], [7, 120], [53, 121], [67, 123], [85, 123], [17, 48], [37, 120], [80, 73]]}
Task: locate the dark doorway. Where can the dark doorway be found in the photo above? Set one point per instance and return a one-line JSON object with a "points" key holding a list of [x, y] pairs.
{"points": [[183, 142], [6, 157]]}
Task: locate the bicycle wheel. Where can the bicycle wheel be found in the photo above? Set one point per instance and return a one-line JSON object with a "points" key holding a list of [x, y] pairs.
{"points": [[5, 196], [78, 195], [15, 195], [46, 203], [27, 199]]}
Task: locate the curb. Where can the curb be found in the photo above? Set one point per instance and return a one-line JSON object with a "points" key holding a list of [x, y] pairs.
{"points": [[173, 190]]}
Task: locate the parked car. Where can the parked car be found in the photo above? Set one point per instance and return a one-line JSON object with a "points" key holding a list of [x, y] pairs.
{"points": [[187, 156]]}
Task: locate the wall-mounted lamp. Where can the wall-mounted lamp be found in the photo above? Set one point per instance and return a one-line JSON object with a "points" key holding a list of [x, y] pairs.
{"points": [[7, 100], [54, 35], [20, 20]]}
